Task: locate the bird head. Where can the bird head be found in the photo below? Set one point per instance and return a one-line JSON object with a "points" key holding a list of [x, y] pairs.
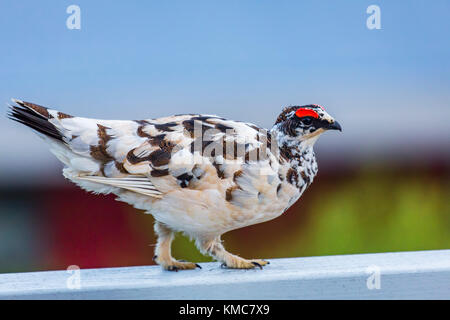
{"points": [[304, 123]]}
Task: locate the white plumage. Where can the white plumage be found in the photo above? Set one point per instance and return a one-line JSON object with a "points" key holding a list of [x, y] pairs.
{"points": [[199, 174]]}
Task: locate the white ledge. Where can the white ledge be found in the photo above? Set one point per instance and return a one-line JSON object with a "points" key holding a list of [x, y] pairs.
{"points": [[402, 275]]}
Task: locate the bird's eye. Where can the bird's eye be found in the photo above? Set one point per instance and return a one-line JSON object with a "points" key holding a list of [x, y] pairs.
{"points": [[307, 121]]}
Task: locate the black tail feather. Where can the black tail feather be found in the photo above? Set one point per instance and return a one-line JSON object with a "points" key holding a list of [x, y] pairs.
{"points": [[35, 121]]}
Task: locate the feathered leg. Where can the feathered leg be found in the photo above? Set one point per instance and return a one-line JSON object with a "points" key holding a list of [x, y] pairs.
{"points": [[163, 255], [214, 248]]}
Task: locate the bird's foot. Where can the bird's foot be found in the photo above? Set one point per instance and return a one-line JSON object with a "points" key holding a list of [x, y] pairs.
{"points": [[240, 263], [175, 265]]}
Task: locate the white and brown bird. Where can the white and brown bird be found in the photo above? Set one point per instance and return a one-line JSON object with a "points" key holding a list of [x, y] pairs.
{"points": [[202, 175]]}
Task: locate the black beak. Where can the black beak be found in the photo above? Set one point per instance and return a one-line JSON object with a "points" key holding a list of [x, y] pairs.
{"points": [[334, 126]]}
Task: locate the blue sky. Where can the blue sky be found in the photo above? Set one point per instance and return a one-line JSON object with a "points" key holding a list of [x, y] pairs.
{"points": [[240, 59]]}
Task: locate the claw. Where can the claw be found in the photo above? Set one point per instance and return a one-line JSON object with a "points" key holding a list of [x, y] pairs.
{"points": [[155, 257], [172, 268], [257, 264], [223, 265], [198, 266]]}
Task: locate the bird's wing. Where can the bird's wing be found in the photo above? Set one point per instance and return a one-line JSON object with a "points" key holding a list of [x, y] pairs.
{"points": [[138, 184], [197, 152]]}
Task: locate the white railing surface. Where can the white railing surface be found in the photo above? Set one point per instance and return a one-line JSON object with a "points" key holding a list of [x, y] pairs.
{"points": [[400, 275]]}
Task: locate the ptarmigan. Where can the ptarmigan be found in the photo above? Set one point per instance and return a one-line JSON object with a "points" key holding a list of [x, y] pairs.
{"points": [[202, 175]]}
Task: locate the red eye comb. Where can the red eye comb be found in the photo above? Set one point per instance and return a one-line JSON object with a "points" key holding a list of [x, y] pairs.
{"points": [[303, 112]]}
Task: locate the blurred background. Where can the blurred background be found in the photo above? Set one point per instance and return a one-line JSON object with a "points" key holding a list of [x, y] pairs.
{"points": [[383, 183]]}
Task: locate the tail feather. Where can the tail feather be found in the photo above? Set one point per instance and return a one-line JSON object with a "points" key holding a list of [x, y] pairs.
{"points": [[36, 117], [93, 150]]}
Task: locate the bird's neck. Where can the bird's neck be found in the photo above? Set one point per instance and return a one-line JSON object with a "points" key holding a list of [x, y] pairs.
{"points": [[291, 148], [299, 155]]}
